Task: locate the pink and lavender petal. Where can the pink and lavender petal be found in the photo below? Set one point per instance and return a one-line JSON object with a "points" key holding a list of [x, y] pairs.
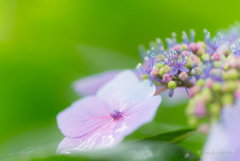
{"points": [[137, 116], [113, 132], [184, 69], [116, 88], [137, 94], [224, 136], [173, 71], [91, 84], [102, 137], [217, 146], [83, 116]]}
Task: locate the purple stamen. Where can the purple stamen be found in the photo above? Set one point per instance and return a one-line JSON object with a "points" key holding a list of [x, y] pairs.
{"points": [[115, 114]]}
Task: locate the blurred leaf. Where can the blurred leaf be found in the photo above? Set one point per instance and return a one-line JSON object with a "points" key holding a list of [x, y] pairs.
{"points": [[41, 144], [174, 136], [145, 150], [35, 143], [100, 59], [195, 143]]}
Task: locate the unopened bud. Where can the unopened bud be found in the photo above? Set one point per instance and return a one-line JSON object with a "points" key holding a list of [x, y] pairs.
{"points": [[204, 128], [200, 82], [205, 57], [200, 109], [227, 99], [216, 86], [183, 76], [184, 47], [167, 78], [214, 108], [144, 76], [196, 70], [172, 85], [194, 47], [154, 72], [192, 121], [159, 66]]}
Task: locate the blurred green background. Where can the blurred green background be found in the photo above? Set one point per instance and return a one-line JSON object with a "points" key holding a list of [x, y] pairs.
{"points": [[47, 44]]}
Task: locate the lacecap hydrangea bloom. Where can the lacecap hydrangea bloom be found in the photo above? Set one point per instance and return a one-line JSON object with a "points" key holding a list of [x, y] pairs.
{"points": [[207, 70], [103, 120]]}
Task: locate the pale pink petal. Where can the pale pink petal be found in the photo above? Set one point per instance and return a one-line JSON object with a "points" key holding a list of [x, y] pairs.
{"points": [[91, 84], [114, 131], [217, 146], [136, 95], [137, 116], [83, 116], [224, 137], [115, 88], [103, 137]]}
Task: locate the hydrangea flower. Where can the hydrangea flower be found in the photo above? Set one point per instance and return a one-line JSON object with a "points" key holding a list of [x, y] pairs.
{"points": [[120, 107], [216, 42], [91, 84], [174, 63], [148, 66], [235, 48], [223, 142]]}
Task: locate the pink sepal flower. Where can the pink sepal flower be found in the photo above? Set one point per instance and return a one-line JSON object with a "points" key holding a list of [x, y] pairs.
{"points": [[120, 107]]}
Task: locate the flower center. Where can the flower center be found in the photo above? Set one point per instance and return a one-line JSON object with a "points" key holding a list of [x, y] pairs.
{"points": [[115, 114]]}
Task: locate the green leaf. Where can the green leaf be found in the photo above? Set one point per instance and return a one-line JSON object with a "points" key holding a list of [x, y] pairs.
{"points": [[145, 150], [173, 136]]}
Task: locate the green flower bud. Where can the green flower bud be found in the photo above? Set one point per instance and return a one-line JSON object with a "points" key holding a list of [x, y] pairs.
{"points": [[189, 110], [197, 69], [214, 108], [216, 86], [206, 94], [217, 64], [189, 63], [205, 57], [226, 67], [166, 69], [161, 72], [227, 99], [233, 74], [223, 58], [172, 85], [200, 82], [229, 86], [184, 47], [192, 121], [144, 76], [225, 76], [159, 66]]}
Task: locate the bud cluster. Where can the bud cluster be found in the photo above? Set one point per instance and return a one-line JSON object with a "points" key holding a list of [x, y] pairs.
{"points": [[209, 70]]}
